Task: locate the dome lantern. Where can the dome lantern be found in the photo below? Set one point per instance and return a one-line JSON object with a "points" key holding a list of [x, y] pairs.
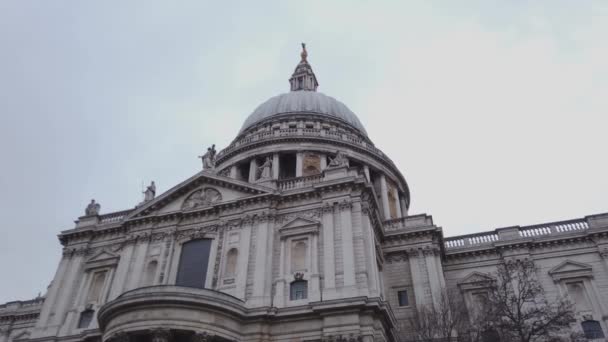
{"points": [[303, 78]]}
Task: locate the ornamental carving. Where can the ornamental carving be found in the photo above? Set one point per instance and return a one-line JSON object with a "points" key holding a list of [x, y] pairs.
{"points": [[314, 214], [202, 198]]}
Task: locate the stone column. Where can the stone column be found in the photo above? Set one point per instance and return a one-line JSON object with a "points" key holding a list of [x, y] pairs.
{"points": [[122, 270], [370, 252], [137, 265], [434, 281], [384, 197], [262, 252], [315, 283], [233, 172], [348, 254], [398, 205], [299, 164], [329, 266], [323, 158], [403, 206], [366, 172], [418, 276], [275, 166], [64, 296], [253, 169], [279, 293], [243, 259]]}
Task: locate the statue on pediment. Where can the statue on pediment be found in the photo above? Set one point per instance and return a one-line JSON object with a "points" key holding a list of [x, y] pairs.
{"points": [[92, 208], [150, 192], [339, 160], [209, 158]]}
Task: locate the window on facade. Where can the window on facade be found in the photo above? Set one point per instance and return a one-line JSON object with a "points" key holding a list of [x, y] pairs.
{"points": [[578, 295], [150, 273], [298, 290], [287, 165], [592, 330], [298, 256], [96, 286], [402, 295], [193, 262], [231, 258], [85, 318]]}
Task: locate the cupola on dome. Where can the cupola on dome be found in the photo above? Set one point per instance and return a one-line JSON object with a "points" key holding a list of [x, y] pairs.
{"points": [[303, 98]]}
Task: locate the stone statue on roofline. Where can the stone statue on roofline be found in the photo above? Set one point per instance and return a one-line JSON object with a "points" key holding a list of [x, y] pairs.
{"points": [[92, 208], [339, 160], [209, 158], [150, 192]]}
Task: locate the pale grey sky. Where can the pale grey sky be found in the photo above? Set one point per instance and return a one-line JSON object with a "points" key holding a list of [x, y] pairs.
{"points": [[495, 111]]}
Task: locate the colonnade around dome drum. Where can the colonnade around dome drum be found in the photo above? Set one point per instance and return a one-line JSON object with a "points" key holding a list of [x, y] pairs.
{"points": [[300, 148]]}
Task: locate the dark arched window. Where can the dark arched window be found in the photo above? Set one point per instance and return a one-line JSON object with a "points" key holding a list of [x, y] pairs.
{"points": [[592, 330], [298, 290], [85, 318], [193, 262]]}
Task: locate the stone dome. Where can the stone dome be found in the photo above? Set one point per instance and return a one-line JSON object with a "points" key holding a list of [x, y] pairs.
{"points": [[303, 101]]}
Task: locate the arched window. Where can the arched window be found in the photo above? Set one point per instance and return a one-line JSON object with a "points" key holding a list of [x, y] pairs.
{"points": [[193, 263], [85, 318], [298, 256], [592, 329], [231, 259], [150, 273], [298, 290]]}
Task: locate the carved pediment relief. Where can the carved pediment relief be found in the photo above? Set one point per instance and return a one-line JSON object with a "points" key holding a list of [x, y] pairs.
{"points": [[202, 198], [299, 226], [571, 269], [102, 259], [200, 191], [476, 280]]}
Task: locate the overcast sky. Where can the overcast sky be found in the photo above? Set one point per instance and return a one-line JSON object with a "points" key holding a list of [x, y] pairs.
{"points": [[495, 112]]}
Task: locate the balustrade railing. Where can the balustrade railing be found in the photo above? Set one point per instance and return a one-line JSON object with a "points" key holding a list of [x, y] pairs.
{"points": [[298, 182], [488, 238], [114, 217]]}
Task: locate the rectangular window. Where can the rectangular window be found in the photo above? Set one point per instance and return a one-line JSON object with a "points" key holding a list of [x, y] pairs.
{"points": [[193, 263], [403, 298]]}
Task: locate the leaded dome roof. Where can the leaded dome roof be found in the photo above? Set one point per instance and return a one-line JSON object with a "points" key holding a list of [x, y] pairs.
{"points": [[302, 102]]}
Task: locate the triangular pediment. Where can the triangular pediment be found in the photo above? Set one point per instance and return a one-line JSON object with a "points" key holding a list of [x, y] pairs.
{"points": [[476, 278], [299, 222], [22, 335], [203, 190], [569, 266], [102, 256]]}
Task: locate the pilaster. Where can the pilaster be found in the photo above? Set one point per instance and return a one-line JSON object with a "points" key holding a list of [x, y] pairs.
{"points": [[329, 266], [384, 197], [299, 163], [122, 270], [347, 244], [253, 169], [275, 166]]}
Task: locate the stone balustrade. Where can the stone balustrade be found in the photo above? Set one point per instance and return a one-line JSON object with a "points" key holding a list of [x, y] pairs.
{"points": [[516, 233], [408, 222], [114, 217], [298, 182]]}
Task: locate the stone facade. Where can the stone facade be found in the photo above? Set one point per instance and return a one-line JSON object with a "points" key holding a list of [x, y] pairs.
{"points": [[303, 228]]}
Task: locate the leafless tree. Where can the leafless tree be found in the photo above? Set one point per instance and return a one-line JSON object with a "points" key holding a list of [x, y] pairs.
{"points": [[518, 309]]}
